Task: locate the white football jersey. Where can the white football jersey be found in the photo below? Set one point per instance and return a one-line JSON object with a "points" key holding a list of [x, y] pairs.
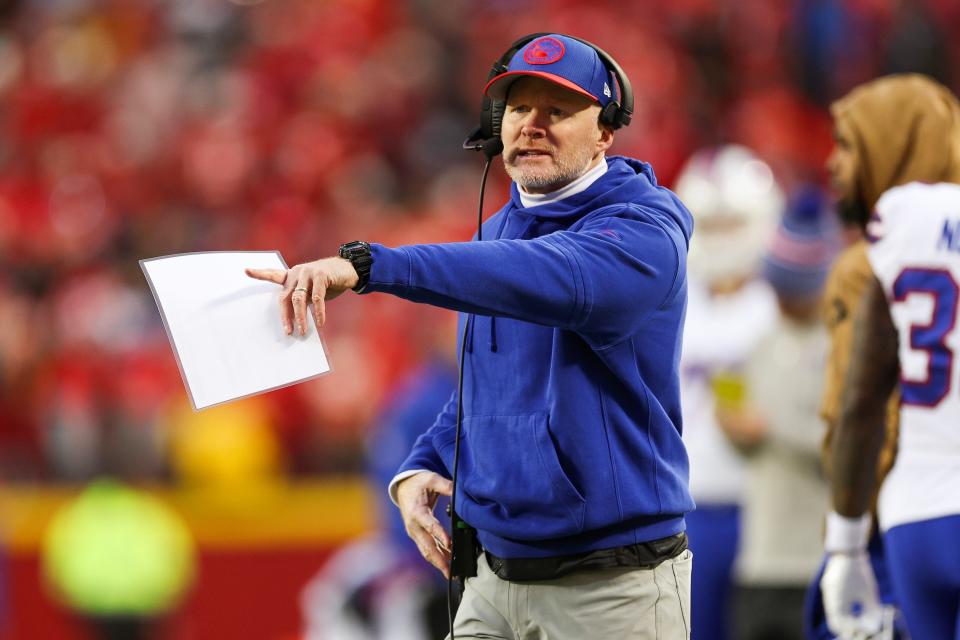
{"points": [[916, 256], [718, 338]]}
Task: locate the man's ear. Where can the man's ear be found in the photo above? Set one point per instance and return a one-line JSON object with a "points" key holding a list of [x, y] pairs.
{"points": [[605, 139]]}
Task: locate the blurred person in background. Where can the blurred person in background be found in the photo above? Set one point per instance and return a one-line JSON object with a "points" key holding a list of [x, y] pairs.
{"points": [[846, 283], [378, 587], [777, 429], [572, 471], [848, 279], [120, 559], [898, 157], [735, 202]]}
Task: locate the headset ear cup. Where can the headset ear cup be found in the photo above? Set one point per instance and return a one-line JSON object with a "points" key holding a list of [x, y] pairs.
{"points": [[488, 134], [497, 110], [486, 118], [491, 117], [608, 115], [492, 145]]}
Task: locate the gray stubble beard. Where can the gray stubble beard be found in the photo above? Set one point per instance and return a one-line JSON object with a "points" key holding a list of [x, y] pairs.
{"points": [[563, 173]]}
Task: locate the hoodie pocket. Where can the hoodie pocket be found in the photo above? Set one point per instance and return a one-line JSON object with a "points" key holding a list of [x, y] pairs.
{"points": [[513, 482]]}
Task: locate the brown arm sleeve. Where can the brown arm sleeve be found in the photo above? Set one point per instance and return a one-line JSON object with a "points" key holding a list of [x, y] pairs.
{"points": [[861, 430], [845, 287]]}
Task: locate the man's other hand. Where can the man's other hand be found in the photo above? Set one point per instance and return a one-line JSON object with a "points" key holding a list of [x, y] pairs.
{"points": [[850, 597], [309, 282], [416, 497]]}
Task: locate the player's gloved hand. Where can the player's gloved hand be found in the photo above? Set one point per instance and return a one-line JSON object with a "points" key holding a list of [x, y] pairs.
{"points": [[850, 597], [851, 600]]}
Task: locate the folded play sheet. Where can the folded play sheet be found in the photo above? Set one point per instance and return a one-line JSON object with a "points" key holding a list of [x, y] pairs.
{"points": [[225, 327]]}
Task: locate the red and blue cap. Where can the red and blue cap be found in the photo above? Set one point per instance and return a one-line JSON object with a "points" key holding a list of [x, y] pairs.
{"points": [[560, 59]]}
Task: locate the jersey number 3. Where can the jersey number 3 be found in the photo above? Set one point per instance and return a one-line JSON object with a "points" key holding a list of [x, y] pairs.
{"points": [[931, 337]]}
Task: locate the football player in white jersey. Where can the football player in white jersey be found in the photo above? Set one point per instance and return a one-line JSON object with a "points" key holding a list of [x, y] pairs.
{"points": [[736, 203], [898, 154]]}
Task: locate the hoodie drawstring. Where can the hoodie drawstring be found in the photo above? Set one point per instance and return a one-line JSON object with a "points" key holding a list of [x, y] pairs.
{"points": [[469, 337]]}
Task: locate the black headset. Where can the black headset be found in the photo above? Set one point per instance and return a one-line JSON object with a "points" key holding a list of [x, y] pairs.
{"points": [[486, 137]]}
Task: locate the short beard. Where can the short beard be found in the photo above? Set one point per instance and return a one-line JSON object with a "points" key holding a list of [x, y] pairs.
{"points": [[564, 171]]}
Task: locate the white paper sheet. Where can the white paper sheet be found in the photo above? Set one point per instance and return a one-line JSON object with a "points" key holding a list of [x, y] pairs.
{"points": [[225, 327]]}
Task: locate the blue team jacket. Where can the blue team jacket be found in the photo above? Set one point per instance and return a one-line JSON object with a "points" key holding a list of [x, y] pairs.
{"points": [[575, 309]]}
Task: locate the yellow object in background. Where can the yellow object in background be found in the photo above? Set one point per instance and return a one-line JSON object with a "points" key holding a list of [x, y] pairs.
{"points": [[118, 551], [729, 390], [229, 446]]}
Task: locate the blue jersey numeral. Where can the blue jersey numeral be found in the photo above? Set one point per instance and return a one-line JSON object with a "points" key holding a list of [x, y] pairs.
{"points": [[940, 285]]}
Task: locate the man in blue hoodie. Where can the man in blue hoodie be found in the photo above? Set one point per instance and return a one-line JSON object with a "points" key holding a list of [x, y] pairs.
{"points": [[572, 469]]}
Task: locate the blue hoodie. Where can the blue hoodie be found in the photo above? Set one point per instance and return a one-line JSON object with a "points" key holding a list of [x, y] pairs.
{"points": [[571, 412]]}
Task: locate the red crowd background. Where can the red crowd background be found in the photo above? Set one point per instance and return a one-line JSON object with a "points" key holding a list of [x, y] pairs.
{"points": [[131, 129]]}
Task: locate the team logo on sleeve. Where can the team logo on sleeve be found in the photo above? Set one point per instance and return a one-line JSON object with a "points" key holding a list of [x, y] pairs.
{"points": [[837, 312], [544, 51]]}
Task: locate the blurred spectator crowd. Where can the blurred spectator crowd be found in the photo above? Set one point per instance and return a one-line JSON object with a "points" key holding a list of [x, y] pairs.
{"points": [[132, 129]]}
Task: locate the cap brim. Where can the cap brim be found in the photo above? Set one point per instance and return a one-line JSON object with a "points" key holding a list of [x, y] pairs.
{"points": [[497, 88]]}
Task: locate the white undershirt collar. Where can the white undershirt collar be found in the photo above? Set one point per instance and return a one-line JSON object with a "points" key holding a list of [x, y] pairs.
{"points": [[529, 200]]}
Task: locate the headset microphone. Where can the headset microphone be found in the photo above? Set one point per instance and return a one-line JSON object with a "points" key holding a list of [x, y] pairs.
{"points": [[491, 147], [473, 141]]}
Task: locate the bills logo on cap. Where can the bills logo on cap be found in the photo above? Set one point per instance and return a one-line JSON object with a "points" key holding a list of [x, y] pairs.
{"points": [[543, 51]]}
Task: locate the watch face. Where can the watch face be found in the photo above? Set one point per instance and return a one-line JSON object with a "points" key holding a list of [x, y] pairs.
{"points": [[356, 247]]}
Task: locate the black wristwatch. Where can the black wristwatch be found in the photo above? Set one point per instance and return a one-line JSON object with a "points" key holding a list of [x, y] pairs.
{"points": [[358, 253]]}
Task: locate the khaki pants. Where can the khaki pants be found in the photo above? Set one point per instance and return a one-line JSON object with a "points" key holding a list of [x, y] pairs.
{"points": [[621, 604]]}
